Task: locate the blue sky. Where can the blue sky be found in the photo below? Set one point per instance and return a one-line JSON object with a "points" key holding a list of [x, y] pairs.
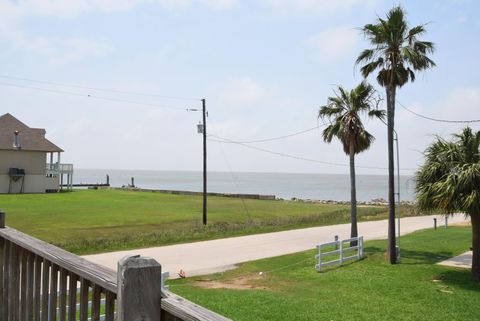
{"points": [[264, 67]]}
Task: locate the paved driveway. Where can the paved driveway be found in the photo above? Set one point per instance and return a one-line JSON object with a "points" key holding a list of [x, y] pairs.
{"points": [[462, 261], [219, 255]]}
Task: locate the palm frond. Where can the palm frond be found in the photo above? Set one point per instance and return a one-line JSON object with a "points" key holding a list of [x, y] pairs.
{"points": [[344, 112], [449, 180], [370, 67], [396, 52], [329, 111], [415, 32], [377, 113]]}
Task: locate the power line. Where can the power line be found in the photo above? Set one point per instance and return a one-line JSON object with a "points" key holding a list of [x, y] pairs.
{"points": [[274, 138], [235, 179], [91, 96], [98, 89], [437, 119], [222, 140]]}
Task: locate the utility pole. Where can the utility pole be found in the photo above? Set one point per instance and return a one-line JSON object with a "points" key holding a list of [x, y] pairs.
{"points": [[204, 131]]}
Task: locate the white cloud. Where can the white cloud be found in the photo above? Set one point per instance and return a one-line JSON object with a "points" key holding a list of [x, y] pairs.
{"points": [[66, 50], [67, 9], [77, 49], [9, 14], [245, 108], [462, 103], [322, 6], [243, 91], [221, 4], [80, 126], [416, 133], [57, 50], [332, 43], [72, 8]]}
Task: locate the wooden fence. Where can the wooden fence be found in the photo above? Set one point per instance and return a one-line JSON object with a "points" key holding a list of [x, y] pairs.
{"points": [[39, 282]]}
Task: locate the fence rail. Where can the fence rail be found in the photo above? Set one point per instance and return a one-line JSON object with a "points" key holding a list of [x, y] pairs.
{"points": [[41, 282], [59, 168], [355, 246]]}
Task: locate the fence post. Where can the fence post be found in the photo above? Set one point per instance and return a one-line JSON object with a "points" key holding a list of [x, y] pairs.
{"points": [[336, 244], [341, 252], [2, 219], [319, 257], [165, 276], [139, 289], [360, 247], [435, 223]]}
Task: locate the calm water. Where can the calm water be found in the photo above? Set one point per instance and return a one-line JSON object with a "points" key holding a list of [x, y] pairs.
{"points": [[284, 185]]}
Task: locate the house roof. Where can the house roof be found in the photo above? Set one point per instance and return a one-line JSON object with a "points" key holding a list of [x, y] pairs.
{"points": [[30, 139]]}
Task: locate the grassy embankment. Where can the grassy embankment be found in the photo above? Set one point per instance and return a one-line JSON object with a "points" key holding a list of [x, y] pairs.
{"points": [[90, 221], [371, 289]]}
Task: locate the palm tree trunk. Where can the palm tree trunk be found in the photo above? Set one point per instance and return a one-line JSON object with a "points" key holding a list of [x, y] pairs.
{"points": [[475, 218], [353, 196], [391, 247]]}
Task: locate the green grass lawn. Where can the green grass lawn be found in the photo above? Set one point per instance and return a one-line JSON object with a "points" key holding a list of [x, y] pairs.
{"points": [[89, 221], [370, 289]]}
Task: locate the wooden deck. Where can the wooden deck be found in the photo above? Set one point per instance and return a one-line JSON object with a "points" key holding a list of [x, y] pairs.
{"points": [[39, 281]]}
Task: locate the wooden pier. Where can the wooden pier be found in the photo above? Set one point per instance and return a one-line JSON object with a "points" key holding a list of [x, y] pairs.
{"points": [[89, 185]]}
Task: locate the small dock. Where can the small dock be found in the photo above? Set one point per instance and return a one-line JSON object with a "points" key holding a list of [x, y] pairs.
{"points": [[92, 185], [88, 185]]}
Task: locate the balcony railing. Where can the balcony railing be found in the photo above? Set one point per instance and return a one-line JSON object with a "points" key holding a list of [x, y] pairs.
{"points": [[56, 168]]}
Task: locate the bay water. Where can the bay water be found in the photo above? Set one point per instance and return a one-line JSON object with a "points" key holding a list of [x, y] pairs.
{"points": [[283, 185]]}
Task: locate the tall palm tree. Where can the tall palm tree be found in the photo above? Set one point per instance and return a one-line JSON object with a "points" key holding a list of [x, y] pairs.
{"points": [[396, 53], [344, 113], [449, 181]]}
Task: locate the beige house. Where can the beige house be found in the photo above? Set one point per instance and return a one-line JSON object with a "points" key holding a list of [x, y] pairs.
{"points": [[29, 163]]}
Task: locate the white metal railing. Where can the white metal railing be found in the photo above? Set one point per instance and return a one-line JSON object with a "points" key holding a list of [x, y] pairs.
{"points": [[56, 168], [165, 276], [343, 253]]}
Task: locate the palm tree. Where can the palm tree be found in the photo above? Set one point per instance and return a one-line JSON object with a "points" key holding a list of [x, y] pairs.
{"points": [[449, 181], [396, 53], [343, 111]]}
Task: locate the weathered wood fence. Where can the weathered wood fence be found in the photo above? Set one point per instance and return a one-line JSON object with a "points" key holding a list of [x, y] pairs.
{"points": [[39, 282]]}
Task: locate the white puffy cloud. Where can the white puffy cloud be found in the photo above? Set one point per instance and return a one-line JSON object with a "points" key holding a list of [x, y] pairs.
{"points": [[462, 103], [322, 6], [416, 133], [56, 50], [242, 91], [65, 9], [332, 43], [237, 97], [65, 50], [72, 8], [221, 4], [78, 49]]}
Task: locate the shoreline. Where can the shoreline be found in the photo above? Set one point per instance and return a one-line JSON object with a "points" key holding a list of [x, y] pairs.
{"points": [[374, 202]]}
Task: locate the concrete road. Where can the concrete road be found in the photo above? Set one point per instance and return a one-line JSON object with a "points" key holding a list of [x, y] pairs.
{"points": [[220, 255]]}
